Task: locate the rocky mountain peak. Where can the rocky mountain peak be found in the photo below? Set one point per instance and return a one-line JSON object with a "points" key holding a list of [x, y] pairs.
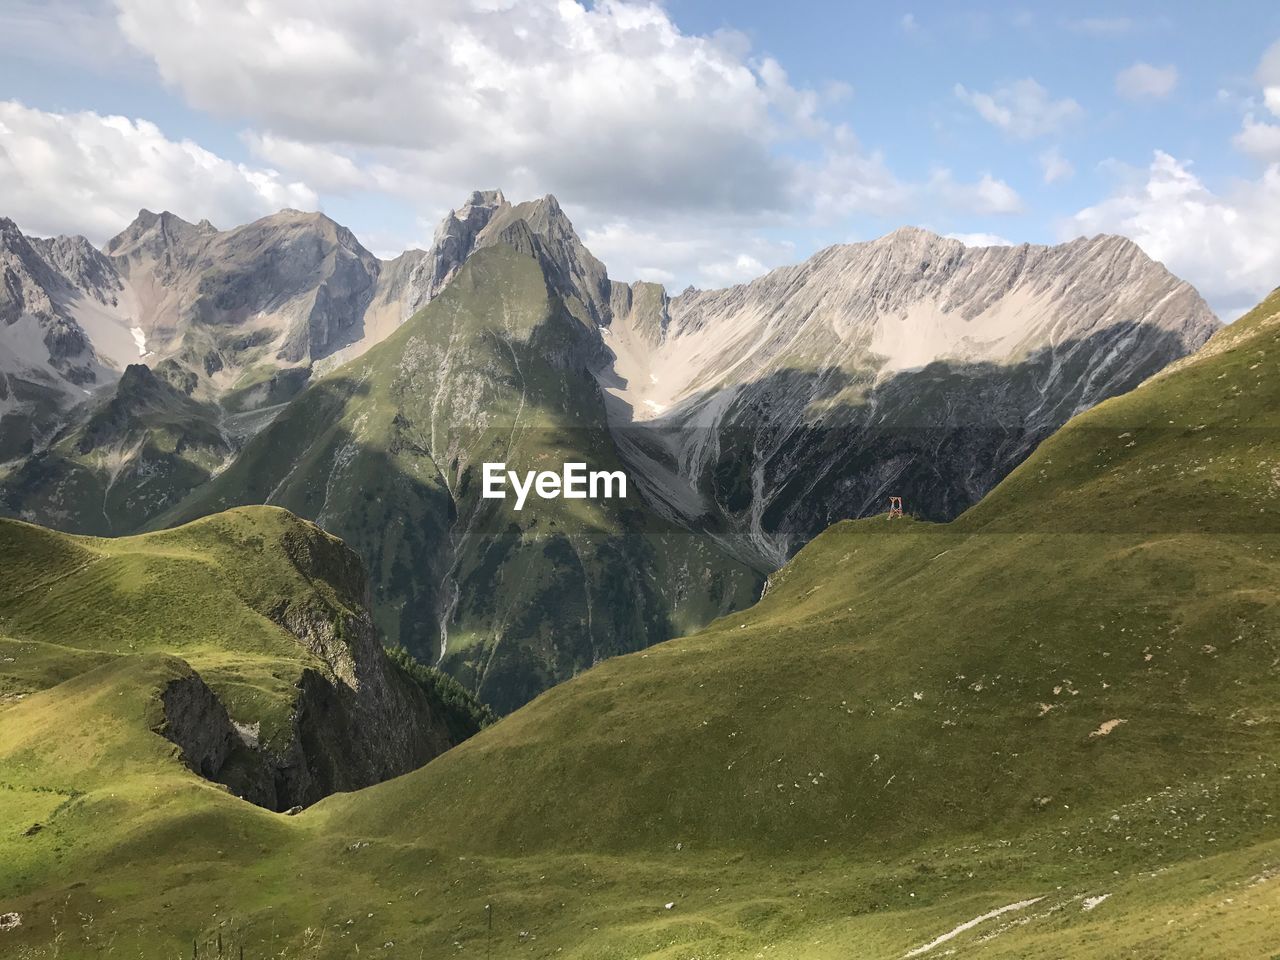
{"points": [[289, 225], [155, 231], [481, 200], [914, 246], [28, 284], [573, 271], [83, 265], [454, 241], [909, 235]]}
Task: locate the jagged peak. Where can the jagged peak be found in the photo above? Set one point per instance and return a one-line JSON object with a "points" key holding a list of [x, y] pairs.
{"points": [[1112, 241], [11, 234], [289, 215], [166, 218], [135, 373], [485, 198], [30, 252], [913, 236], [487, 201], [147, 223]]}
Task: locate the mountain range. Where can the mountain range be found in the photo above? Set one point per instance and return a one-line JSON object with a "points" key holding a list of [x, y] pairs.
{"points": [[182, 370], [1043, 729]]}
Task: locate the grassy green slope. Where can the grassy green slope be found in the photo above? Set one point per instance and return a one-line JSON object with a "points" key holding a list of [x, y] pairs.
{"points": [[92, 633], [918, 726], [204, 592], [386, 452]]}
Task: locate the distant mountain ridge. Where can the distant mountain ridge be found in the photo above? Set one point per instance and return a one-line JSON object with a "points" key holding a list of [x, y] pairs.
{"points": [[939, 366]]}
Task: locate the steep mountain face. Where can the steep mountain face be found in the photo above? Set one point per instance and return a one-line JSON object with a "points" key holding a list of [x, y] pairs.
{"points": [[231, 323], [910, 365], [456, 239], [238, 305], [387, 452], [488, 218], [48, 362], [132, 456], [1158, 611]]}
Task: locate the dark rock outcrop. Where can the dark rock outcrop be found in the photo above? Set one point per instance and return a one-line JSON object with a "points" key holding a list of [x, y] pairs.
{"points": [[357, 720]]}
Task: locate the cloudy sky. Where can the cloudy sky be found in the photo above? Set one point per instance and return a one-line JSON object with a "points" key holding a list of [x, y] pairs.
{"points": [[692, 142]]}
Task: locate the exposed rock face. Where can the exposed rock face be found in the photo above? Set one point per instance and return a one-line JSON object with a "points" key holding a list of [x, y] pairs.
{"points": [[47, 362], [85, 267], [538, 226], [356, 722], [910, 365], [196, 720], [240, 317], [141, 449], [284, 290], [455, 240]]}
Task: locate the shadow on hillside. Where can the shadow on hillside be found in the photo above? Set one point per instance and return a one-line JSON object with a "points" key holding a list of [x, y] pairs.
{"points": [[782, 458]]}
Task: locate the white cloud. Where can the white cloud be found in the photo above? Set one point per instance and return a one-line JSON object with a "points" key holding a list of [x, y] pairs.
{"points": [[740, 269], [1227, 245], [981, 239], [1268, 77], [88, 173], [632, 122], [984, 197], [1258, 138], [609, 103], [909, 23], [848, 180], [1142, 81], [1023, 109], [1055, 166], [682, 251], [324, 168], [655, 275], [994, 196]]}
